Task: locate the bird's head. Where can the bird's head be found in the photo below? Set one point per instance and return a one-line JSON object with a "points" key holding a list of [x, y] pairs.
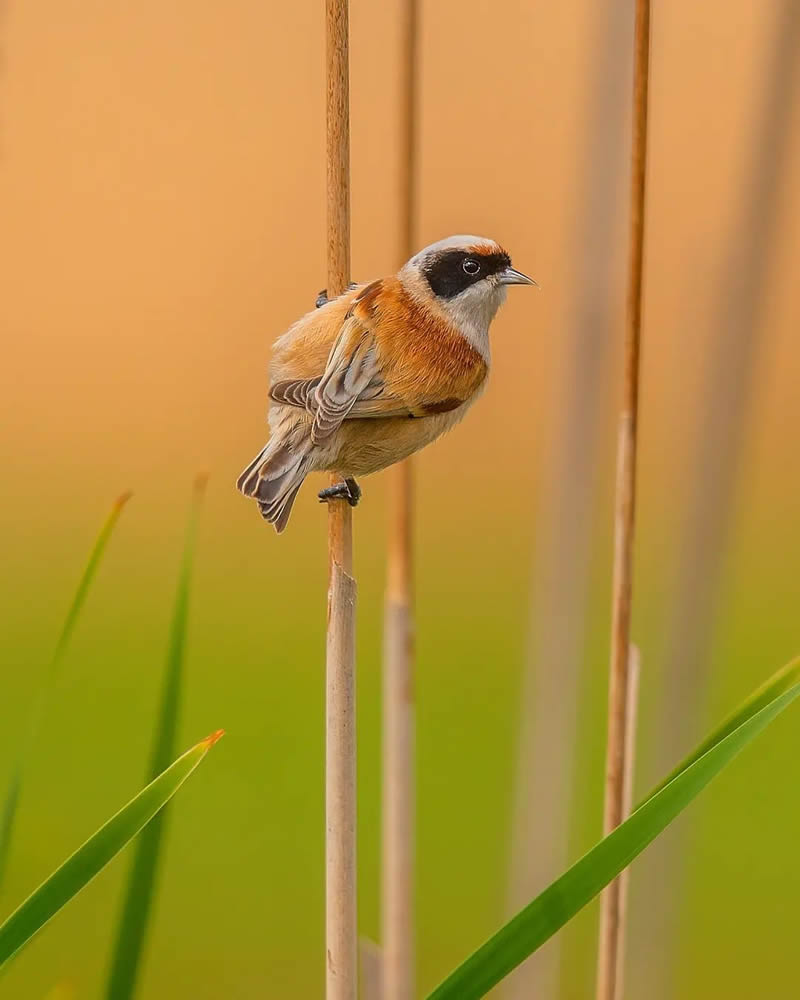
{"points": [[467, 276]]}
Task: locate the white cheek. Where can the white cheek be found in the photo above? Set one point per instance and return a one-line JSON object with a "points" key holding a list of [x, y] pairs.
{"points": [[473, 311]]}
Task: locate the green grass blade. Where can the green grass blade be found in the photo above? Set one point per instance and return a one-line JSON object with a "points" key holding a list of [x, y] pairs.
{"points": [[9, 815], [85, 582], [49, 676], [81, 867], [144, 869], [538, 921], [783, 680]]}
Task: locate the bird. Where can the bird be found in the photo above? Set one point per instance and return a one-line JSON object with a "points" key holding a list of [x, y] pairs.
{"points": [[379, 372]]}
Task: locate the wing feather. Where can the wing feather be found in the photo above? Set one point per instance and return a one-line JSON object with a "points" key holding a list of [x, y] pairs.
{"points": [[352, 386], [296, 392], [351, 369]]}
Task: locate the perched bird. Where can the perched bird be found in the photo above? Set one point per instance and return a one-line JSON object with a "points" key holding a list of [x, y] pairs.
{"points": [[374, 375]]}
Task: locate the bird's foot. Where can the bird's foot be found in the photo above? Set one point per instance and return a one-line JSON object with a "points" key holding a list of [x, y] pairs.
{"points": [[322, 298], [348, 490]]}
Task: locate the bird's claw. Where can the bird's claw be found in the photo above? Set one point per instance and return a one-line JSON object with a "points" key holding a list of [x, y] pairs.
{"points": [[348, 490]]}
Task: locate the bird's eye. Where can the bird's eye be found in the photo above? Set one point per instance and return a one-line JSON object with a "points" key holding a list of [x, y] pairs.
{"points": [[471, 266]]}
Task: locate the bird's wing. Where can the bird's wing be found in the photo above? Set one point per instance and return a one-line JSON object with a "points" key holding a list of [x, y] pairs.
{"points": [[350, 387], [296, 392], [351, 371]]}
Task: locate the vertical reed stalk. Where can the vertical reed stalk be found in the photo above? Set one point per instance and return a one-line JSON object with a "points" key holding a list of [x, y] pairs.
{"points": [[559, 593], [398, 753], [738, 339], [370, 964], [398, 668], [340, 742], [625, 510], [632, 707]]}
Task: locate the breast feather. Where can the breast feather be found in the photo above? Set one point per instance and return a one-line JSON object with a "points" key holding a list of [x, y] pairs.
{"points": [[425, 358]]}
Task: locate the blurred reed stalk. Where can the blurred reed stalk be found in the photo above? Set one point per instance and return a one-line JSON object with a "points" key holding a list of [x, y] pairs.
{"points": [[632, 712], [340, 740], [398, 667], [625, 515], [370, 961], [713, 467], [559, 593]]}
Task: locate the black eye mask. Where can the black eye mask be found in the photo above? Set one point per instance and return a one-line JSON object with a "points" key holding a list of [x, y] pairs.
{"points": [[446, 275]]}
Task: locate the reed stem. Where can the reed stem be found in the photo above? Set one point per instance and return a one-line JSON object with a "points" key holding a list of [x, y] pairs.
{"points": [[625, 510], [739, 339], [398, 980], [632, 709], [340, 742], [398, 754], [548, 715]]}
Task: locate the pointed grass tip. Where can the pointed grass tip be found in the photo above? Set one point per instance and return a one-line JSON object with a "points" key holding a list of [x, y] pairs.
{"points": [[122, 499], [215, 737]]}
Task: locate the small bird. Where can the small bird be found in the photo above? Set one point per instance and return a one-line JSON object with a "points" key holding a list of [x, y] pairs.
{"points": [[377, 373]]}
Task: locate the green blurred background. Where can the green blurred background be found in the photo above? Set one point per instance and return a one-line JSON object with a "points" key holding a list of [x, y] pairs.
{"points": [[163, 203]]}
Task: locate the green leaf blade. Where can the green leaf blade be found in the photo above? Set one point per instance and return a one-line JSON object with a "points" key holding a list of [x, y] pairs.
{"points": [[781, 681], [141, 885], [85, 581], [89, 860], [43, 694], [553, 908]]}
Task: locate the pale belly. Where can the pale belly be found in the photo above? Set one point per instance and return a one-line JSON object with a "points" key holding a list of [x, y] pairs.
{"points": [[365, 446], [361, 447]]}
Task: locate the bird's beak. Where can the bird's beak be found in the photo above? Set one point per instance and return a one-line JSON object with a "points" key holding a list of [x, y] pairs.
{"points": [[511, 276]]}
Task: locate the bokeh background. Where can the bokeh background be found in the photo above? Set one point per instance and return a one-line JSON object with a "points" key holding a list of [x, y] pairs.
{"points": [[162, 189]]}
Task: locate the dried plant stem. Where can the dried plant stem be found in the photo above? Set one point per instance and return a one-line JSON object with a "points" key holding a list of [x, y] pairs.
{"points": [[409, 12], [398, 669], [340, 743], [736, 346], [371, 965], [625, 509], [632, 706], [548, 715], [398, 755], [738, 339]]}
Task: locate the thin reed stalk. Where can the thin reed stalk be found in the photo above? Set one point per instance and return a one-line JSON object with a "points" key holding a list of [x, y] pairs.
{"points": [[398, 754], [625, 512], [397, 894], [632, 712], [550, 696], [370, 957], [732, 366], [340, 742], [737, 345]]}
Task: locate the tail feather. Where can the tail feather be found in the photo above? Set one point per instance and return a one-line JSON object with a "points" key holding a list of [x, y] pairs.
{"points": [[273, 461], [273, 479], [278, 513], [248, 480]]}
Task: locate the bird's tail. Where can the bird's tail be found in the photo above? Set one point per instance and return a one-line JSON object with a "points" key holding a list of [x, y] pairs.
{"points": [[273, 479]]}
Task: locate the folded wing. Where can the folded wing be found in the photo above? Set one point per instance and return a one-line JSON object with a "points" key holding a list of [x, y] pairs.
{"points": [[352, 387]]}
